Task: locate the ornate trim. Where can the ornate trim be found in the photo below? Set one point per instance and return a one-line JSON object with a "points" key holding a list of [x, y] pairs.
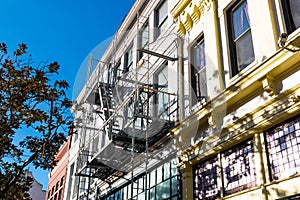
{"points": [[196, 14], [190, 11], [188, 24], [179, 7], [268, 85]]}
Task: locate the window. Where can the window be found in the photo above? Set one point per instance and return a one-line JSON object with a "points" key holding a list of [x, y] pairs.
{"points": [[291, 9], [161, 17], [283, 145], [240, 37], [143, 38], [128, 60], [238, 168], [157, 187], [70, 181], [62, 181], [162, 98], [205, 179], [117, 71], [198, 70]]}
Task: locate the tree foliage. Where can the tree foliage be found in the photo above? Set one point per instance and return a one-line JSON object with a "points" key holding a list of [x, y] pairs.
{"points": [[34, 118]]}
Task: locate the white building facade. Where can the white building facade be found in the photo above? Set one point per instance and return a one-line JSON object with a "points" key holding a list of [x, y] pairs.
{"points": [[125, 113], [193, 99]]}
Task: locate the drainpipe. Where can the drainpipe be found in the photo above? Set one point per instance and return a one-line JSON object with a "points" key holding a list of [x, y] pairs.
{"points": [[180, 78], [218, 44]]}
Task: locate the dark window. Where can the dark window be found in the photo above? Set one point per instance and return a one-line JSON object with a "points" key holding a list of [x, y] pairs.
{"points": [[60, 195], [128, 60], [238, 168], [70, 181], [57, 185], [240, 37], [198, 70], [49, 194], [291, 9], [158, 185], [62, 181], [205, 179], [162, 98], [283, 144], [144, 38], [161, 17], [117, 71]]}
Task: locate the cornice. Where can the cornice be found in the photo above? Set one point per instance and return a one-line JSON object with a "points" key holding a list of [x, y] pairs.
{"points": [[179, 8], [188, 12]]}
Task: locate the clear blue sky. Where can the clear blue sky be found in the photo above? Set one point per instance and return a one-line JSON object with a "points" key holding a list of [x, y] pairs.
{"points": [[60, 30]]}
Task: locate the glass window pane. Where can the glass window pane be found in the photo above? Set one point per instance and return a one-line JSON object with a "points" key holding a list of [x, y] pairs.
{"points": [[199, 54], [135, 188], [125, 192], [241, 20], [141, 185], [141, 196], [166, 170], [163, 190], [152, 178], [162, 85], [244, 51], [152, 193], [145, 36], [174, 167], [162, 12], [129, 191], [295, 11], [205, 183], [283, 149], [174, 186], [238, 168], [159, 175]]}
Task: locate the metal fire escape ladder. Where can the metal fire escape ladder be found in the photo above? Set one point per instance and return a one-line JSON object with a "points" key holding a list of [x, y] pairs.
{"points": [[131, 137]]}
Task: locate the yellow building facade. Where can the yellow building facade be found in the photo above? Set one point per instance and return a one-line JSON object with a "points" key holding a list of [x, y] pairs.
{"points": [[239, 134]]}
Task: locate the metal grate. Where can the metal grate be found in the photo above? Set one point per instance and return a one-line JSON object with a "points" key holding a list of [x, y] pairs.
{"points": [[238, 168], [205, 177], [283, 144]]}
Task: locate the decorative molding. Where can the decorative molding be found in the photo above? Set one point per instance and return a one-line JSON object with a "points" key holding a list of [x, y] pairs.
{"points": [[196, 14], [188, 24], [268, 85], [190, 11], [181, 29], [179, 7]]}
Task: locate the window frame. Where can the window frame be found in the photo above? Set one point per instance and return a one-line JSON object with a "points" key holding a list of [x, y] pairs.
{"points": [[226, 154], [195, 73], [128, 66], [158, 106], [197, 168], [145, 28], [289, 147], [288, 18], [232, 40], [160, 23]]}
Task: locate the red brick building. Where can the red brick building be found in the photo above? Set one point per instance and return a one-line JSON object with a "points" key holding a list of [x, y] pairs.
{"points": [[57, 179]]}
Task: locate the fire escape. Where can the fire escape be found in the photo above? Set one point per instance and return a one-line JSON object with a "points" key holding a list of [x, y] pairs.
{"points": [[137, 115]]}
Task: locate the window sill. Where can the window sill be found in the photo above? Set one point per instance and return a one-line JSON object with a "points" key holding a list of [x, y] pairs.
{"points": [[242, 192], [243, 74], [297, 175], [199, 105]]}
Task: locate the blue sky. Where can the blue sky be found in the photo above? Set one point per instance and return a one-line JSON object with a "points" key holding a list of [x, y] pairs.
{"points": [[60, 30]]}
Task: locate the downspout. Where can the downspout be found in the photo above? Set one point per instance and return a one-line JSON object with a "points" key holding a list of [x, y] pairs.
{"points": [[180, 78], [218, 45]]}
